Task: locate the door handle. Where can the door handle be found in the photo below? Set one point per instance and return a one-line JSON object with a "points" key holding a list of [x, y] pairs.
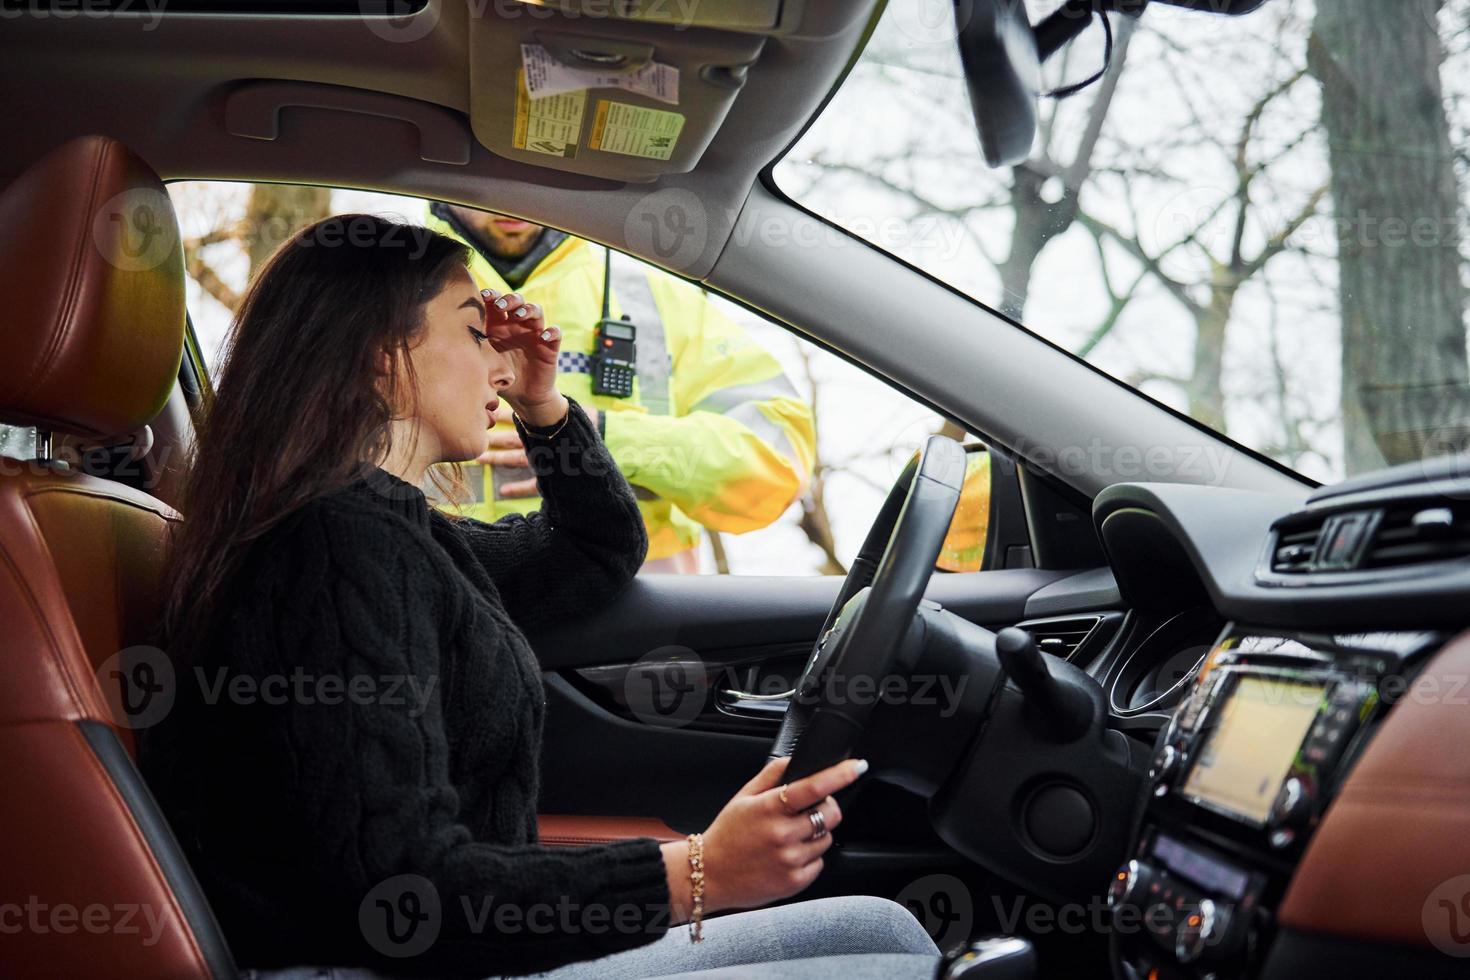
{"points": [[253, 110], [765, 706]]}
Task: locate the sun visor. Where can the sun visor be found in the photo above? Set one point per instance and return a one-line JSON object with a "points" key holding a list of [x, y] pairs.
{"points": [[631, 96]]}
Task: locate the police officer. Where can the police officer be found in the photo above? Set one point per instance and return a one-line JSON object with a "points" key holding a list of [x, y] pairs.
{"points": [[701, 420]]}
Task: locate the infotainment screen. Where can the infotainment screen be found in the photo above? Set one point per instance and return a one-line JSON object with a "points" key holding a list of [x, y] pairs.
{"points": [[1251, 744]]}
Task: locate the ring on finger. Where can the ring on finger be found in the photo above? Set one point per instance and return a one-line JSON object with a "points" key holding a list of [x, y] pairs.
{"points": [[819, 824]]}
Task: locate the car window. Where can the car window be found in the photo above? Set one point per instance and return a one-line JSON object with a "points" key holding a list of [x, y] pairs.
{"points": [[1256, 220], [753, 451]]}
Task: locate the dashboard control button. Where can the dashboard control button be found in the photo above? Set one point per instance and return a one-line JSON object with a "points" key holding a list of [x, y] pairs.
{"points": [[1165, 764], [1202, 932], [1292, 809], [1129, 884]]}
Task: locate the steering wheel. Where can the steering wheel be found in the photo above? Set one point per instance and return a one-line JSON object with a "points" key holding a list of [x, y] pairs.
{"points": [[868, 626]]}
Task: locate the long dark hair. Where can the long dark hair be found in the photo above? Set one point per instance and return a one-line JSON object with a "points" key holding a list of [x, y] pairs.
{"points": [[299, 404]]}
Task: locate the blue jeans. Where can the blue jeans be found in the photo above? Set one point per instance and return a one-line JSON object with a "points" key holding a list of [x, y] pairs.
{"points": [[848, 937]]}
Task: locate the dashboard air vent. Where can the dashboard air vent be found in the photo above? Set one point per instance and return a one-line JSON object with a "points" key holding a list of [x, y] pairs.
{"points": [[1412, 534], [1394, 536], [1062, 637], [1295, 549]]}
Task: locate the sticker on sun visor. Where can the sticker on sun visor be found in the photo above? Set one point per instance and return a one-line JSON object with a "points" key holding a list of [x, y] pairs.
{"points": [[547, 76], [634, 130], [550, 125]]}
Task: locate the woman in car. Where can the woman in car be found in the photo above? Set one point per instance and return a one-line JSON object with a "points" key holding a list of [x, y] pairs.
{"points": [[351, 759]]}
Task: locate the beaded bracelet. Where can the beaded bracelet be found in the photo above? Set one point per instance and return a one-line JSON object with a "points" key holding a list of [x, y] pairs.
{"points": [[696, 888]]}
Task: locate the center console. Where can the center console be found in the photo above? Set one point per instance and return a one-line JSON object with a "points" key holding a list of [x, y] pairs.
{"points": [[1239, 779]]}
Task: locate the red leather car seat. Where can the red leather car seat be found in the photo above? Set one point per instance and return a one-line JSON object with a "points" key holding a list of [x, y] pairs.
{"points": [[92, 882]]}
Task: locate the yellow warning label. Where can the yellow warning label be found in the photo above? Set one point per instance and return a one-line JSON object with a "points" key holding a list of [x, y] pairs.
{"points": [[635, 131], [550, 125]]}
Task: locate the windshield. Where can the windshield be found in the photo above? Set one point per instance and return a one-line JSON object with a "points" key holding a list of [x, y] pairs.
{"points": [[1257, 221]]}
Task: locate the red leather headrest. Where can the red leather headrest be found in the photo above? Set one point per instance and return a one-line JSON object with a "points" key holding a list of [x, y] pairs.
{"points": [[91, 292]]}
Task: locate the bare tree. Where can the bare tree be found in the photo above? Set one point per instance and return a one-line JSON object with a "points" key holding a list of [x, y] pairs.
{"points": [[273, 212], [1037, 221], [1210, 299], [815, 522], [1046, 197], [1059, 169]]}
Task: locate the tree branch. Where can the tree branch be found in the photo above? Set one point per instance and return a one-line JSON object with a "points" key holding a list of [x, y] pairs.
{"points": [[1278, 241], [208, 280], [1177, 289]]}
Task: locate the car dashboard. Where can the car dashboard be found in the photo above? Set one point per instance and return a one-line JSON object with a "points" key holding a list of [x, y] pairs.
{"points": [[1259, 649]]}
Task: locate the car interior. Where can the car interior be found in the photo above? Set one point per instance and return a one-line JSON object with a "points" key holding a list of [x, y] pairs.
{"points": [[1207, 724]]}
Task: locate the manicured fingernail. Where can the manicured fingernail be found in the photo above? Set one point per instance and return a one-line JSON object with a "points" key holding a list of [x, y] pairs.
{"points": [[522, 311], [501, 304], [548, 334], [860, 766], [487, 292]]}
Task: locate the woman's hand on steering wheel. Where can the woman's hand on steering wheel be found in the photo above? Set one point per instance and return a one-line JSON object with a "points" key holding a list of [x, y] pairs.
{"points": [[759, 849]]}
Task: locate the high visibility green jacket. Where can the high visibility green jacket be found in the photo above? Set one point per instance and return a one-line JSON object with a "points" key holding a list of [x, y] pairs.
{"points": [[964, 544], [714, 435]]}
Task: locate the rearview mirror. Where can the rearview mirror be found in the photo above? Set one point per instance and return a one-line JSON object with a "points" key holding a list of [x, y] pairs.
{"points": [[1002, 56], [1003, 73]]}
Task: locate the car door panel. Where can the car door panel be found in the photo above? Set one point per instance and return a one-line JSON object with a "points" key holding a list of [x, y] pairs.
{"points": [[719, 613], [605, 756]]}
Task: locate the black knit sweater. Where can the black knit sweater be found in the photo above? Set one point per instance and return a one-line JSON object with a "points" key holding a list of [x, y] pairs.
{"points": [[365, 792]]}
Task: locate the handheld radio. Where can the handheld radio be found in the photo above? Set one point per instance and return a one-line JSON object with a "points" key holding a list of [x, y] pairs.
{"points": [[614, 357]]}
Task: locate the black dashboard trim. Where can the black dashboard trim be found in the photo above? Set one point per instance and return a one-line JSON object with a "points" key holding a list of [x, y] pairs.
{"points": [[1222, 530]]}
